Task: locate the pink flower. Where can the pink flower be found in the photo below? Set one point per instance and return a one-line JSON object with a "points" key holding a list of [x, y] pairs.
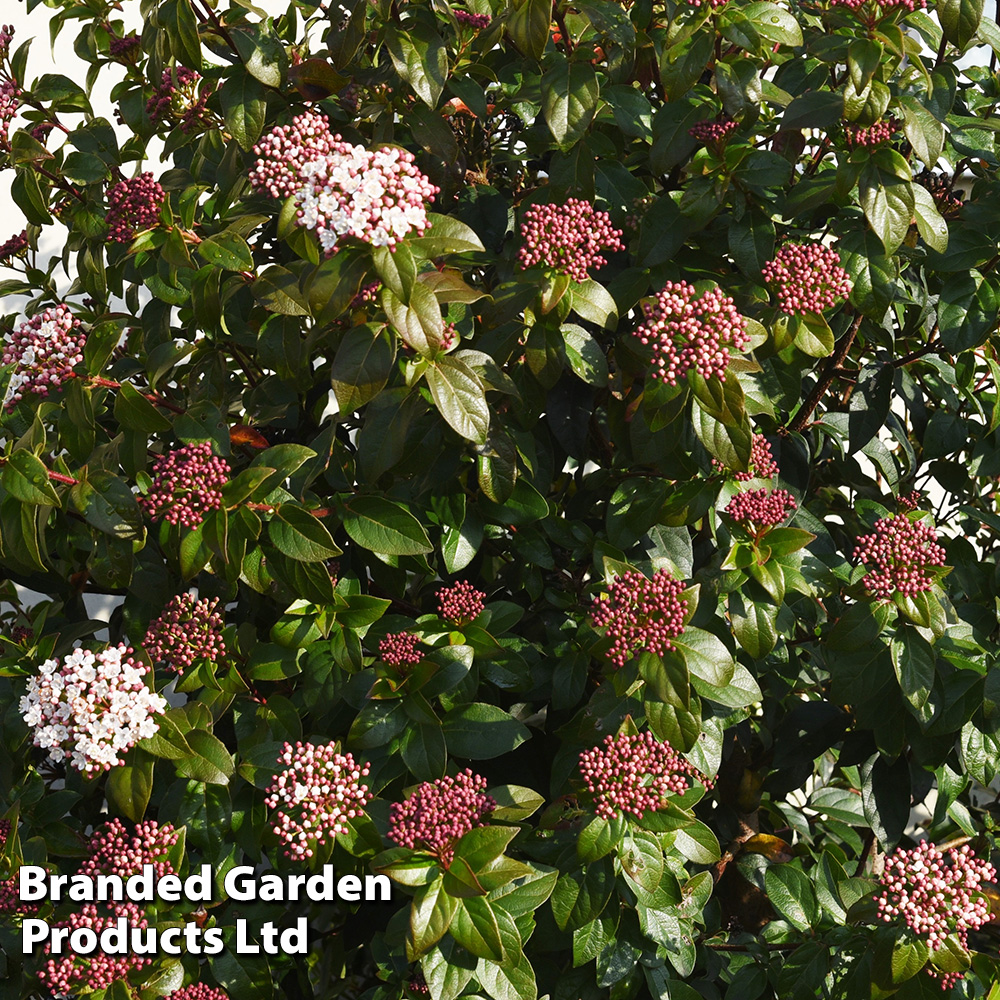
{"points": [[198, 991], [400, 649], [133, 204], [90, 708], [807, 278], [343, 190], [635, 774], [936, 895], [476, 21], [899, 553], [45, 349], [177, 97], [15, 246], [762, 464], [439, 812], [460, 603], [641, 613], [712, 133], [10, 102], [314, 796], [691, 331], [908, 5], [71, 974], [860, 137], [188, 631], [187, 485], [568, 238], [112, 851], [757, 509]]}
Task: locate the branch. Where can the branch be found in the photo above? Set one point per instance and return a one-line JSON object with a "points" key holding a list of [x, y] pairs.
{"points": [[829, 374], [908, 359], [770, 946], [866, 853], [57, 477]]}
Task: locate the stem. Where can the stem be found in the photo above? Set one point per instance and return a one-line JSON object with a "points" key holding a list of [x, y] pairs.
{"points": [[60, 181], [770, 946], [155, 398], [57, 477], [557, 14], [210, 15], [829, 373], [866, 854]]}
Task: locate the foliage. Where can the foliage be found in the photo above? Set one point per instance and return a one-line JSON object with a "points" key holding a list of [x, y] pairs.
{"points": [[383, 422]]}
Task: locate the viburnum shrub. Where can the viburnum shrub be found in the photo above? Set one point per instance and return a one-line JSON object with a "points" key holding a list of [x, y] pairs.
{"points": [[544, 453]]}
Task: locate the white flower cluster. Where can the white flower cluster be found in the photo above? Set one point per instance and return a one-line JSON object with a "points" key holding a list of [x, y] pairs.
{"points": [[377, 197], [91, 708]]}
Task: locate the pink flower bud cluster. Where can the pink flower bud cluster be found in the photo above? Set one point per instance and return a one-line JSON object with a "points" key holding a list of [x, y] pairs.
{"points": [[198, 991], [711, 133], [476, 21], [10, 101], [807, 278], [714, 4], [762, 464], [448, 337], [899, 553], [177, 97], [936, 894], [121, 47], [883, 5], [42, 131], [568, 238], [367, 295], [133, 205], [871, 136], [187, 485], [761, 508], [400, 649], [45, 350], [316, 793], [460, 603], [112, 851], [343, 190], [187, 632], [691, 331], [910, 501], [418, 985], [22, 633], [439, 812], [10, 898], [4, 832], [15, 246], [640, 613], [6, 37], [71, 974], [635, 774], [90, 708]]}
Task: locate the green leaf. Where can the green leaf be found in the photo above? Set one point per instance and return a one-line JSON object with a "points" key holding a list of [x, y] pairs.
{"points": [[460, 398], [960, 20], [430, 917], [594, 303], [135, 412], [888, 205], [481, 732], [706, 655], [858, 627], [382, 526], [474, 927], [277, 290], [792, 895], [108, 504], [361, 367], [528, 26], [914, 662], [584, 354], [211, 763], [446, 235], [773, 22], [697, 843], [228, 251], [25, 477], [569, 100], [420, 322], [129, 787], [243, 108], [424, 751], [300, 535], [420, 58]]}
